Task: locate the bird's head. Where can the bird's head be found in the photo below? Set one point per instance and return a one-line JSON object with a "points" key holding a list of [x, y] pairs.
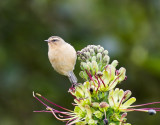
{"points": [[55, 40]]}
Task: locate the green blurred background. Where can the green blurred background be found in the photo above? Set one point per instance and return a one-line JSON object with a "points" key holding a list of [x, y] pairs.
{"points": [[129, 30]]}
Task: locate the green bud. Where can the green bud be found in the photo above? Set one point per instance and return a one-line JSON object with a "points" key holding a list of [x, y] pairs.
{"points": [[79, 58], [94, 66], [85, 102], [93, 58], [99, 46], [109, 74], [98, 114], [89, 112], [105, 52], [104, 105], [92, 52], [106, 59], [87, 54], [114, 63], [95, 49], [122, 74], [83, 75], [84, 65], [83, 58], [79, 92], [89, 47], [95, 104], [100, 50], [90, 65], [79, 112], [99, 57], [124, 115], [92, 122]]}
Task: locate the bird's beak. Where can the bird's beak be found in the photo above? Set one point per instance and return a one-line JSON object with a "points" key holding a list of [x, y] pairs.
{"points": [[46, 40]]}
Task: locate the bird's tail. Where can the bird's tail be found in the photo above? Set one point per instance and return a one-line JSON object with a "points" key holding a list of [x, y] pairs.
{"points": [[72, 77]]}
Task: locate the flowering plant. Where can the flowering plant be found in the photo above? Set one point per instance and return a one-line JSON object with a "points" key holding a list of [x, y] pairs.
{"points": [[97, 101]]}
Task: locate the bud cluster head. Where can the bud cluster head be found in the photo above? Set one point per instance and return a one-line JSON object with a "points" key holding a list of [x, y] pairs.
{"points": [[93, 59]]}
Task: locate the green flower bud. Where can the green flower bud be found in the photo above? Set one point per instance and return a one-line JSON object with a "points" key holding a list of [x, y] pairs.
{"points": [[92, 52], [84, 65], [87, 54], [106, 59], [83, 58], [83, 75], [85, 102], [79, 58], [94, 66], [89, 65], [114, 63], [92, 46], [93, 58], [122, 74], [98, 114], [104, 105], [105, 52], [92, 122], [100, 50], [109, 74], [99, 46], [124, 115], [79, 112], [89, 112], [79, 92], [95, 49], [99, 57], [95, 104]]}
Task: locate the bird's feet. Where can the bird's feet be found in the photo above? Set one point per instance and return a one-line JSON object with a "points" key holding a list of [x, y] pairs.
{"points": [[74, 85]]}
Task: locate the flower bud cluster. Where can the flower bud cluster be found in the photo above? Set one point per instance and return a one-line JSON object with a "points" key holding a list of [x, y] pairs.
{"points": [[93, 59]]}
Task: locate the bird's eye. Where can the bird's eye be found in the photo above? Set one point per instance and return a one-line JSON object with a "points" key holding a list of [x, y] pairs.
{"points": [[54, 40]]}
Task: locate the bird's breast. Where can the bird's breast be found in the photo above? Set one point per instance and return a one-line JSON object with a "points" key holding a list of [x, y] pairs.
{"points": [[63, 58]]}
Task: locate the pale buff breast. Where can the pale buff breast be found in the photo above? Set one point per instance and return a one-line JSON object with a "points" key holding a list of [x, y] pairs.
{"points": [[63, 58]]}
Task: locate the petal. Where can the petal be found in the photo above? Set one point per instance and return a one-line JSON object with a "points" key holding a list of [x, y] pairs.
{"points": [[111, 103], [128, 103], [115, 95], [120, 95]]}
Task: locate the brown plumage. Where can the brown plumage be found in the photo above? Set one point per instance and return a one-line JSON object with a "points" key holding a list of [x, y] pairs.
{"points": [[62, 56]]}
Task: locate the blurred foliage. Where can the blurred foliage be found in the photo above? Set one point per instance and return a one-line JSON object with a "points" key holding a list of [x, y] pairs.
{"points": [[128, 29]]}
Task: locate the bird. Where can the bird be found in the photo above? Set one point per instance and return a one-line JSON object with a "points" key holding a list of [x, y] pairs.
{"points": [[62, 57]]}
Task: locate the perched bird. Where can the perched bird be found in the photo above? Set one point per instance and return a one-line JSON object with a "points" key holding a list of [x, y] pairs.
{"points": [[62, 56]]}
